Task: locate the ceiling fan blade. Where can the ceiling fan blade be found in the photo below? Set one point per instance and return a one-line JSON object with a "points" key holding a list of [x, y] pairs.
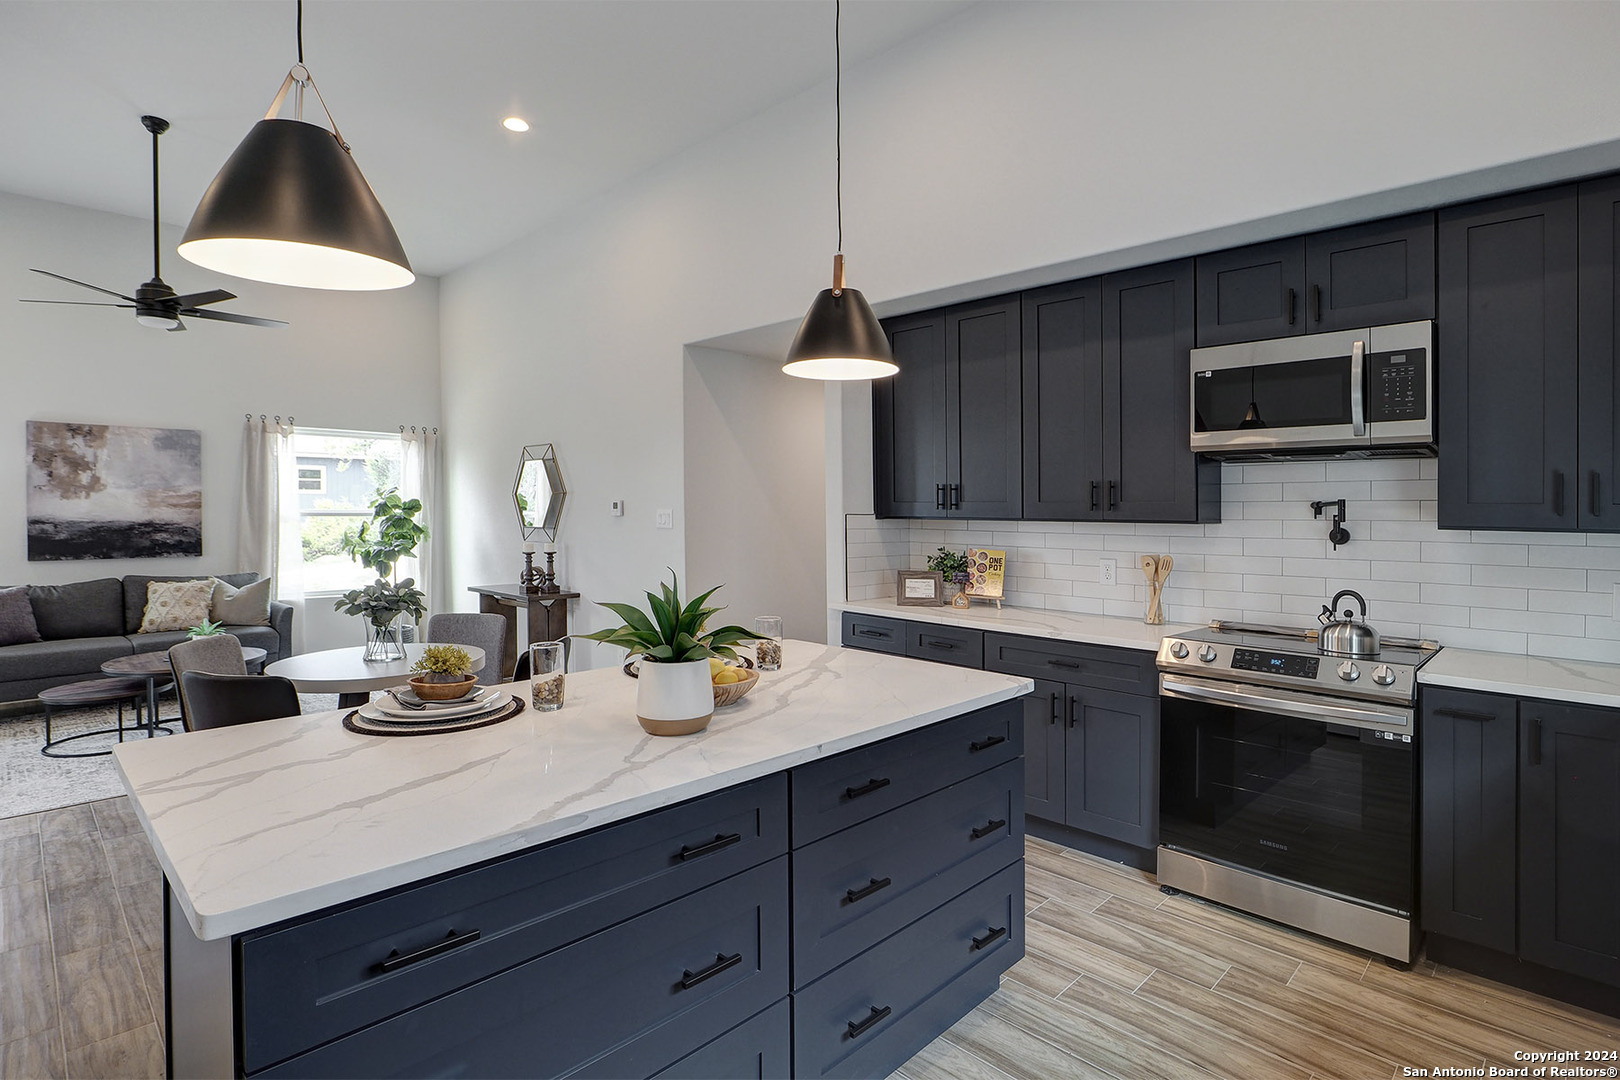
{"points": [[83, 284], [229, 316], [75, 303], [198, 299]]}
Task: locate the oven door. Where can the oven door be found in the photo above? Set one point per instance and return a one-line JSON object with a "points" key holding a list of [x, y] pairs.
{"points": [[1313, 790]]}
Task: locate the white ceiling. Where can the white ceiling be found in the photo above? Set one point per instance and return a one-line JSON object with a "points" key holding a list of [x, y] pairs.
{"points": [[418, 88]]}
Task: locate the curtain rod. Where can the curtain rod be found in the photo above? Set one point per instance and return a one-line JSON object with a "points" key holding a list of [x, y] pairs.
{"points": [[263, 417], [413, 428]]}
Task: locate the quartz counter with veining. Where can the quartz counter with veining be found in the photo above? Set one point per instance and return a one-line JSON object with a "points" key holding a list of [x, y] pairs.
{"points": [[267, 821]]}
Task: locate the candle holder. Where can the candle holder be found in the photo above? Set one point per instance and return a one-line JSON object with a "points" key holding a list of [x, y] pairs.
{"points": [[548, 578], [530, 579]]}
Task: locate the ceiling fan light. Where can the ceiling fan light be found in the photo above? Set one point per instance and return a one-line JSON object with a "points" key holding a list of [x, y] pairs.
{"points": [[157, 320], [291, 207], [840, 339]]}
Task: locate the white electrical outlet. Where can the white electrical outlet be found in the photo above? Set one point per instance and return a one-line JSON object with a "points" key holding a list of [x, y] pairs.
{"points": [[1108, 571], [616, 508], [664, 519]]}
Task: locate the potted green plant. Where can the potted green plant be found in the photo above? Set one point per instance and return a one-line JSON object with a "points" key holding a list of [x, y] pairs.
{"points": [[206, 628], [379, 544], [675, 693], [443, 672], [956, 568]]}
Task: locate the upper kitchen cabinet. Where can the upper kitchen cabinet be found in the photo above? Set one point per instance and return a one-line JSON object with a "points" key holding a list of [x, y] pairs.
{"points": [[1063, 402], [1507, 373], [1374, 274], [946, 429], [1599, 500]]}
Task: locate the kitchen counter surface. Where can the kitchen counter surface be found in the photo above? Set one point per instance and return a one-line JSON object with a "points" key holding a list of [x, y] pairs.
{"points": [[263, 822], [1089, 629], [1578, 681]]}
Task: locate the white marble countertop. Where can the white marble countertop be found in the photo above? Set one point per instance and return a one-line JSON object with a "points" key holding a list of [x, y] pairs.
{"points": [[1089, 629], [1578, 681], [259, 823]]}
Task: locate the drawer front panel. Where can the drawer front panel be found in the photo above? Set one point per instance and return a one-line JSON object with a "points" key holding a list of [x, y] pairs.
{"points": [[945, 644], [874, 632], [848, 789], [926, 852], [864, 1018], [556, 1015], [1102, 667], [308, 983], [760, 1049]]}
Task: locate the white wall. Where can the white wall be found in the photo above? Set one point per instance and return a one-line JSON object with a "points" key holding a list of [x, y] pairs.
{"points": [[349, 360], [756, 490], [1014, 144]]}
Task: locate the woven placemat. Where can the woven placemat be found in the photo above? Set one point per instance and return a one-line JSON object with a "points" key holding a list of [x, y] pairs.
{"points": [[364, 725]]}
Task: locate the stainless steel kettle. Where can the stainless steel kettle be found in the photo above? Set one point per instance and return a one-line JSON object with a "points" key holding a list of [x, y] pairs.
{"points": [[1344, 636]]}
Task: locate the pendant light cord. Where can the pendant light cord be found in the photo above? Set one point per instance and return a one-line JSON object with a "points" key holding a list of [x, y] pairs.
{"points": [[157, 246], [838, 117]]}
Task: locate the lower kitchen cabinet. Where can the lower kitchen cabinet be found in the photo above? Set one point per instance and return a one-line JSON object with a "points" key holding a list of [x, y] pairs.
{"points": [[1045, 766], [1520, 833]]}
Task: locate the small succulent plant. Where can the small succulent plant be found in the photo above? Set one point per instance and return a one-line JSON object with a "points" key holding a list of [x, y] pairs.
{"points": [[444, 660], [206, 628]]}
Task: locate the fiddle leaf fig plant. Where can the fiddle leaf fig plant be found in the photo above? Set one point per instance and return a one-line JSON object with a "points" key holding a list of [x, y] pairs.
{"points": [[669, 632], [379, 544]]}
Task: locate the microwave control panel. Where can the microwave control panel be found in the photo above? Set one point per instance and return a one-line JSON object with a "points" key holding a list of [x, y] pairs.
{"points": [[1398, 385], [1300, 667]]}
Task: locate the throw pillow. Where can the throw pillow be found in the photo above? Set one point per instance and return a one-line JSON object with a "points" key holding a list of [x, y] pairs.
{"points": [[245, 606], [17, 623], [176, 605]]}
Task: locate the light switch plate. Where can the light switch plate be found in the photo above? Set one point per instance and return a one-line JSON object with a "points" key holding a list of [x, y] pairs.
{"points": [[1108, 571], [616, 508], [664, 519]]}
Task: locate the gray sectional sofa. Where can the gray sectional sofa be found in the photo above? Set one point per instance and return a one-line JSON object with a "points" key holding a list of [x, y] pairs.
{"points": [[87, 623]]}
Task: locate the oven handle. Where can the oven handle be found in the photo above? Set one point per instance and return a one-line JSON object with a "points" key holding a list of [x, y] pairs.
{"points": [[1358, 380], [1260, 699]]}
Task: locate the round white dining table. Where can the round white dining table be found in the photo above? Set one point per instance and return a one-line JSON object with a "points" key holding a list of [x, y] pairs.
{"points": [[346, 672]]}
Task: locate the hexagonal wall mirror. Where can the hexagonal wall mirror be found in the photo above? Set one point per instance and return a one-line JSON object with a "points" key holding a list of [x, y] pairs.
{"points": [[539, 492]]}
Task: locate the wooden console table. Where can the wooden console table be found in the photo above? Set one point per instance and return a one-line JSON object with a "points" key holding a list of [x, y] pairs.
{"points": [[548, 614]]}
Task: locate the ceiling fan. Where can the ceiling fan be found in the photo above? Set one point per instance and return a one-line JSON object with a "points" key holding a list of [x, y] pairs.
{"points": [[155, 303]]}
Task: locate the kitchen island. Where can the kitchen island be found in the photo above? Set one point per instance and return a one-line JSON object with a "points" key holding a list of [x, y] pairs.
{"points": [[562, 894]]}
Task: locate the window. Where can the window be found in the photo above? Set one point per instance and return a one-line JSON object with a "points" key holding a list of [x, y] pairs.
{"points": [[339, 474]]}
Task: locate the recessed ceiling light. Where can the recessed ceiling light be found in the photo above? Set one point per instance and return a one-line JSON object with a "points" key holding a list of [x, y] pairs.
{"points": [[515, 123]]}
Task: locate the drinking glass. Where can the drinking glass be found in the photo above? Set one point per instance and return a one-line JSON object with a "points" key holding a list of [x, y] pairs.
{"points": [[546, 663], [768, 649]]}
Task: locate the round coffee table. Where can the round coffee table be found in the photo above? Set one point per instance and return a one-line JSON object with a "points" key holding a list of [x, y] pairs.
{"points": [[346, 673], [124, 691], [155, 667]]}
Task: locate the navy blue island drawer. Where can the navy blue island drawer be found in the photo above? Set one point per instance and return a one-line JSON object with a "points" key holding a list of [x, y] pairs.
{"points": [[849, 788], [673, 980], [868, 1017], [957, 645], [760, 1049], [874, 632], [854, 889], [311, 981]]}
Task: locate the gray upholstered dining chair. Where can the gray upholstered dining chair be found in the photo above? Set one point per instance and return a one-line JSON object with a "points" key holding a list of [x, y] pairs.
{"points": [[225, 700], [217, 654], [487, 632]]}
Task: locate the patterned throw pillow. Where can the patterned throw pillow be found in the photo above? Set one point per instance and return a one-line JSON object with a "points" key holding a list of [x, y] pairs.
{"points": [[17, 624], [245, 606], [176, 605]]}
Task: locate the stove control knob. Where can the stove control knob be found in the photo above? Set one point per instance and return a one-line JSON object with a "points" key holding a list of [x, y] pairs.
{"points": [[1349, 672], [1207, 654], [1179, 650], [1383, 675]]}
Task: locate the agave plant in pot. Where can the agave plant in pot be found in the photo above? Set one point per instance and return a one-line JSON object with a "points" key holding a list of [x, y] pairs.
{"points": [[674, 692]]}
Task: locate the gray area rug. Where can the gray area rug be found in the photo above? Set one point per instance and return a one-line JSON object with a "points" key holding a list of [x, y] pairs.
{"points": [[31, 782]]}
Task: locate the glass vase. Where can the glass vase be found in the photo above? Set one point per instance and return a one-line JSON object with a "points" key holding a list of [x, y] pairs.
{"points": [[383, 643]]}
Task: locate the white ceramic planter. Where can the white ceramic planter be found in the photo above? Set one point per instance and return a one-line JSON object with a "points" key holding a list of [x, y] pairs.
{"points": [[674, 699]]}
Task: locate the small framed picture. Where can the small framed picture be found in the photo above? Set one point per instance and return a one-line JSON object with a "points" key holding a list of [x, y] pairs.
{"points": [[919, 588]]}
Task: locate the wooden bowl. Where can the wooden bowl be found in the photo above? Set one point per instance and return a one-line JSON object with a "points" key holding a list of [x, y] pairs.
{"points": [[731, 693], [442, 691]]}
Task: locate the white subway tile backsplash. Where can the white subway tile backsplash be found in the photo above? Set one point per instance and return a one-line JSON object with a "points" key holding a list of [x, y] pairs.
{"points": [[1268, 560]]}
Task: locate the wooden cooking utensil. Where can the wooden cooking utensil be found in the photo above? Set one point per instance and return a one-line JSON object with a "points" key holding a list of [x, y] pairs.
{"points": [[1156, 568]]}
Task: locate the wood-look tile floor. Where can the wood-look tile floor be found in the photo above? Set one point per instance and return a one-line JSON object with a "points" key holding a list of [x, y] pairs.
{"points": [[1120, 980]]}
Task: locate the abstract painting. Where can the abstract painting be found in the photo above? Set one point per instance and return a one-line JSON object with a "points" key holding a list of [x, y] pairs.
{"points": [[101, 491]]}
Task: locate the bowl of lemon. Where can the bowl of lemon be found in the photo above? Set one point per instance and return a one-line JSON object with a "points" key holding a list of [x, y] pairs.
{"points": [[731, 682]]}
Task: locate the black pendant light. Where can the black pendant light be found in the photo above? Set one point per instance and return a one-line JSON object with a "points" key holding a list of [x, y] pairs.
{"points": [[290, 206], [840, 338]]}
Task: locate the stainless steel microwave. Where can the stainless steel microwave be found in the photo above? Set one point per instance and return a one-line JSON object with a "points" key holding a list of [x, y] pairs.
{"points": [[1351, 393]]}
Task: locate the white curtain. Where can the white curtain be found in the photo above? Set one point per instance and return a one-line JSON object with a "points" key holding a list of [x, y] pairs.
{"points": [[419, 479], [267, 516]]}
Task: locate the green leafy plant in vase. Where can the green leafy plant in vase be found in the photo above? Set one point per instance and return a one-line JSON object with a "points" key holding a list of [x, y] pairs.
{"points": [[391, 534], [675, 694], [955, 567]]}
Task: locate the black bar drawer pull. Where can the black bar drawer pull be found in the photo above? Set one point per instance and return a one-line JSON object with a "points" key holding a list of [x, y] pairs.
{"points": [[1073, 665], [690, 979], [721, 840], [866, 632], [939, 496], [876, 885], [1057, 707], [1094, 495], [857, 1028], [452, 940], [936, 643], [956, 497], [1535, 743], [1292, 296], [1316, 301], [1464, 714], [985, 744], [876, 784], [985, 830], [1558, 493], [1112, 501], [994, 933]]}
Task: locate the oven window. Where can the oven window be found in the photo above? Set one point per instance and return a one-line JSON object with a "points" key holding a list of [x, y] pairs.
{"points": [[1305, 393], [1326, 806]]}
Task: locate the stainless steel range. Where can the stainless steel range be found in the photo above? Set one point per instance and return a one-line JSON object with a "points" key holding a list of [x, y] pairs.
{"points": [[1288, 775]]}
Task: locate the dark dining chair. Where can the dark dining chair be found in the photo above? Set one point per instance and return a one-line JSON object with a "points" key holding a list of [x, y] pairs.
{"points": [[224, 700], [216, 654]]}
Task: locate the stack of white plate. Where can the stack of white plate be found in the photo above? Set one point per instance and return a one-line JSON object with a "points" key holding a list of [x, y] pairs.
{"points": [[400, 705]]}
